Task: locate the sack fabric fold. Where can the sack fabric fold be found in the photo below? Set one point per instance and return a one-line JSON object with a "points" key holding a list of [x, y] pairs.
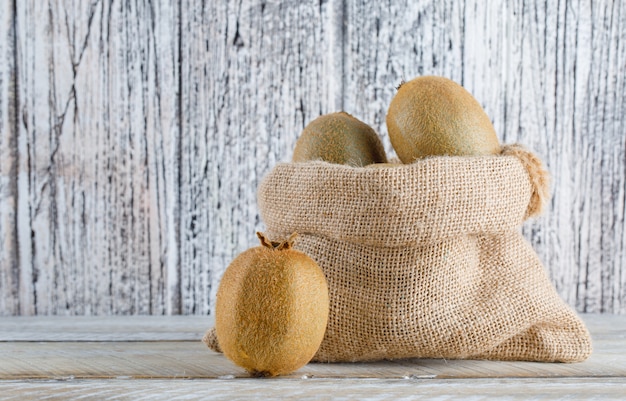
{"points": [[427, 260]]}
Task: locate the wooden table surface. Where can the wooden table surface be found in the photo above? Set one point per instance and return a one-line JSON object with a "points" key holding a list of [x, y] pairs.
{"points": [[145, 358]]}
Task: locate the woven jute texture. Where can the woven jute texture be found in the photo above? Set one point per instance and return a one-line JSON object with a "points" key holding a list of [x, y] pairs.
{"points": [[427, 260]]}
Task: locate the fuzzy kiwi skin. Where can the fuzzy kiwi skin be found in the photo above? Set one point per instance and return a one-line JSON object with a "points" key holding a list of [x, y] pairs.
{"points": [[435, 116], [339, 138], [271, 310]]}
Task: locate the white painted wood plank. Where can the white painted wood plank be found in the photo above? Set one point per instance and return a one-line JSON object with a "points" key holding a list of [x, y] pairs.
{"points": [[253, 74], [550, 75], [119, 328], [144, 130], [318, 389], [104, 328], [98, 149], [9, 271], [170, 347], [191, 359]]}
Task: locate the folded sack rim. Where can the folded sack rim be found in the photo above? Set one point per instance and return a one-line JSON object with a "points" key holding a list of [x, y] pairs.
{"points": [[505, 190]]}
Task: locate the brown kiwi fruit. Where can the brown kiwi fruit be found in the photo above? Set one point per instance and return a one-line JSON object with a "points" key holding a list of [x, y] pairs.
{"points": [[431, 116], [271, 309], [339, 138]]}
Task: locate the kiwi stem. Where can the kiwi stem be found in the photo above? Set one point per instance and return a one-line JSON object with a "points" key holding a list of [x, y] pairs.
{"points": [[264, 240], [279, 246]]}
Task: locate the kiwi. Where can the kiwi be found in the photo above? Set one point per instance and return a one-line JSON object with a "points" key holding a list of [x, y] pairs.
{"points": [[339, 138], [271, 309], [432, 116]]}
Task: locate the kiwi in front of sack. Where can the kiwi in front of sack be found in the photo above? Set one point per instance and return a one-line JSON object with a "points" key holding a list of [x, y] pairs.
{"points": [[272, 309]]}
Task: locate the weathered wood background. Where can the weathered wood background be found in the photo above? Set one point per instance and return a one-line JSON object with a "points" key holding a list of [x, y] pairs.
{"points": [[133, 134]]}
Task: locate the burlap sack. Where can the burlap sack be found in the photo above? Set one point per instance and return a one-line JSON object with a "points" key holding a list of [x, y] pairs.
{"points": [[426, 260]]}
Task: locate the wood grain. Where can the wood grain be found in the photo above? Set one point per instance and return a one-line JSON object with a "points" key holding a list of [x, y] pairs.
{"points": [[170, 347], [133, 134], [318, 389], [252, 75], [174, 359], [104, 328], [98, 138], [115, 364], [9, 267], [550, 75]]}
